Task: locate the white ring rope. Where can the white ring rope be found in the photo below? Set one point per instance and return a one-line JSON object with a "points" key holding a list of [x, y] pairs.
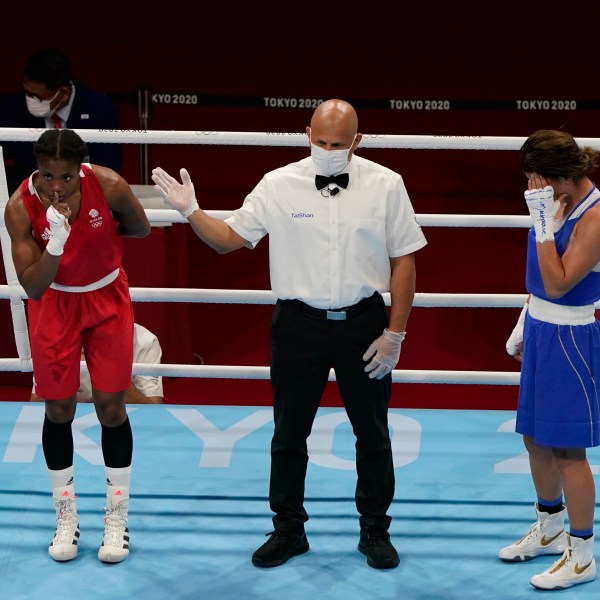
{"points": [[398, 376], [208, 296], [247, 138], [159, 215], [233, 372]]}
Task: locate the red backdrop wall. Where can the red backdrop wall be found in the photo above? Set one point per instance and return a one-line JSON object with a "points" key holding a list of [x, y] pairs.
{"points": [[233, 57]]}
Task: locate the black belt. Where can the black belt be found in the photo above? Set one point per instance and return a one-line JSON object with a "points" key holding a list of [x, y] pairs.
{"points": [[338, 314]]}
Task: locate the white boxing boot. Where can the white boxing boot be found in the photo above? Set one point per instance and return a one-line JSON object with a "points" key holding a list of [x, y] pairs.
{"points": [[576, 566], [115, 543], [66, 537], [546, 536]]}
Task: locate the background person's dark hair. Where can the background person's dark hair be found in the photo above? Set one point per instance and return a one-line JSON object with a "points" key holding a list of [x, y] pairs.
{"points": [[50, 67], [60, 144], [551, 153]]}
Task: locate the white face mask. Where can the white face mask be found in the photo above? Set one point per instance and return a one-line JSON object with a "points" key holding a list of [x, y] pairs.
{"points": [[40, 108], [330, 162]]}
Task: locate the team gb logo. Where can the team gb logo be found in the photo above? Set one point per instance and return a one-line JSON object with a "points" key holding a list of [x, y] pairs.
{"points": [[95, 220]]}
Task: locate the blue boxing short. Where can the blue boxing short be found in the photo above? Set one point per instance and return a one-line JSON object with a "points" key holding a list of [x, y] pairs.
{"points": [[559, 403]]}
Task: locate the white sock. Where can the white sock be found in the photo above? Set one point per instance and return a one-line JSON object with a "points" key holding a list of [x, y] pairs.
{"points": [[61, 479], [118, 477]]}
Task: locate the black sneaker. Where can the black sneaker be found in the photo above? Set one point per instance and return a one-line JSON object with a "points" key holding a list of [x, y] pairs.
{"points": [[376, 545], [280, 547]]}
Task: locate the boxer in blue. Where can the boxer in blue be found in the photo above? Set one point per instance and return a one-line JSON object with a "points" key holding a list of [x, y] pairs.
{"points": [[558, 340]]}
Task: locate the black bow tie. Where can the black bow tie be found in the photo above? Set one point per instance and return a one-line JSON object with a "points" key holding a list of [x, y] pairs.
{"points": [[342, 180]]}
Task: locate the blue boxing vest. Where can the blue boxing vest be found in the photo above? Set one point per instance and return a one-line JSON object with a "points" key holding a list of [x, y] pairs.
{"points": [[587, 291]]}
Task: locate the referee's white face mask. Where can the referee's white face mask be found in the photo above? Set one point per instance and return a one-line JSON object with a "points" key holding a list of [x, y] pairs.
{"points": [[330, 162]]}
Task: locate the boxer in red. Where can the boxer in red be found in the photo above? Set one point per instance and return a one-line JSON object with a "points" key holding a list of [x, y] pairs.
{"points": [[66, 222]]}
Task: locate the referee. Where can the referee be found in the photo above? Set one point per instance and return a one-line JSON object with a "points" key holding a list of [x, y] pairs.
{"points": [[341, 231]]}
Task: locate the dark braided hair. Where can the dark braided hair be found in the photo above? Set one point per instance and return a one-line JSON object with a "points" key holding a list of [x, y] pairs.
{"points": [[60, 144], [554, 154]]}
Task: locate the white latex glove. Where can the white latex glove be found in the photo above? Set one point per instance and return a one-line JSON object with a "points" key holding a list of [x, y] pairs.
{"points": [[542, 208], [177, 196], [385, 353], [514, 344], [59, 231]]}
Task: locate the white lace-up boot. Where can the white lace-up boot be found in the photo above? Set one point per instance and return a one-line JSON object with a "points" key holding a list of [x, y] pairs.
{"points": [[546, 536], [577, 565], [66, 537], [115, 543]]}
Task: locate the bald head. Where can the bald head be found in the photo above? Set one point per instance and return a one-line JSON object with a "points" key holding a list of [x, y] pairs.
{"points": [[335, 113], [334, 126]]}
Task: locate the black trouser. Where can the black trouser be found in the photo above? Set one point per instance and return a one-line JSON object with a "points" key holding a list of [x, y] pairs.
{"points": [[304, 348]]}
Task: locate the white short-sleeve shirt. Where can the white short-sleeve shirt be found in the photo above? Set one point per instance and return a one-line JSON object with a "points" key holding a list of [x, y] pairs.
{"points": [[330, 252]]}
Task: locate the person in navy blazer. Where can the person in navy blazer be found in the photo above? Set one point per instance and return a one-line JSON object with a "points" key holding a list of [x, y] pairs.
{"points": [[51, 98]]}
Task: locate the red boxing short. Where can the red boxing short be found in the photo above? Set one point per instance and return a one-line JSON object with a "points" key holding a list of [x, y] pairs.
{"points": [[101, 321]]}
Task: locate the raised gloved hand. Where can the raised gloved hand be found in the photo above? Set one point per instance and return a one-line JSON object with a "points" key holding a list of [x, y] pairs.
{"points": [[385, 353], [180, 196], [542, 208], [514, 344], [59, 231]]}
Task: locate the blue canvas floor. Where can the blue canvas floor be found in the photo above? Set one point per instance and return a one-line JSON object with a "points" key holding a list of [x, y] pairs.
{"points": [[199, 509]]}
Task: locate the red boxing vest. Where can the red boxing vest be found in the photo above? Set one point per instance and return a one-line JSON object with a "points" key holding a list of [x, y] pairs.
{"points": [[94, 248]]}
